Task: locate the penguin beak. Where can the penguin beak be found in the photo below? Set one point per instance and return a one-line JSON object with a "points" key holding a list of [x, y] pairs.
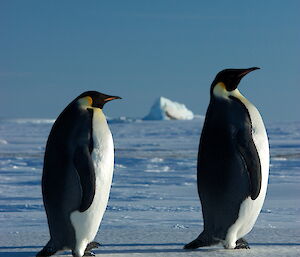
{"points": [[246, 71], [109, 98]]}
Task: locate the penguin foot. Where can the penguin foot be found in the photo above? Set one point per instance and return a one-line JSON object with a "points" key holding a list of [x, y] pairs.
{"points": [[89, 253], [201, 241], [91, 246], [242, 244], [46, 251], [86, 253]]}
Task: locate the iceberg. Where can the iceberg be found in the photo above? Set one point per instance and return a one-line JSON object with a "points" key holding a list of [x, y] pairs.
{"points": [[165, 109]]}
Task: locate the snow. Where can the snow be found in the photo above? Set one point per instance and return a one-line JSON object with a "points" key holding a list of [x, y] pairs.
{"points": [[153, 208], [165, 109]]}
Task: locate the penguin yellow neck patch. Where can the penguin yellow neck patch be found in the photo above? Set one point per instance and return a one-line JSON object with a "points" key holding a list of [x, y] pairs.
{"points": [[86, 101], [220, 90]]}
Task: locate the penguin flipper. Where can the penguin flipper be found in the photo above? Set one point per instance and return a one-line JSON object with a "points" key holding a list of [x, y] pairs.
{"points": [[250, 156], [85, 169]]}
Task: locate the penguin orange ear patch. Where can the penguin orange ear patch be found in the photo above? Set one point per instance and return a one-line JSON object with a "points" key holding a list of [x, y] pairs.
{"points": [[86, 101], [222, 85], [89, 100]]}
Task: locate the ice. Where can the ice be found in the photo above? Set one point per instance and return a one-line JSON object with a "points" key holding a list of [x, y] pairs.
{"points": [[154, 207], [2, 141], [165, 109]]}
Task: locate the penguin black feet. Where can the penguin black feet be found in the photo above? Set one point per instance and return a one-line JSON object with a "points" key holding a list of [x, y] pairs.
{"points": [[47, 251], [92, 245], [89, 253], [89, 247], [242, 244], [202, 240]]}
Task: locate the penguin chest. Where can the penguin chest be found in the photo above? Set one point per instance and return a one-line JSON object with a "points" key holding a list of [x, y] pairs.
{"points": [[103, 159], [250, 209], [86, 223]]}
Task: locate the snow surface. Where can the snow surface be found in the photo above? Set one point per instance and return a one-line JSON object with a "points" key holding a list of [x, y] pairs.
{"points": [[154, 207], [165, 109]]}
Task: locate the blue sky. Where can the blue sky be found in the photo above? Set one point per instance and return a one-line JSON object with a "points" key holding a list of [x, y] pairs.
{"points": [[51, 51]]}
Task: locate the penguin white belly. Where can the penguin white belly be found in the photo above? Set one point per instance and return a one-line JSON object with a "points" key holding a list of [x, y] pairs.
{"points": [[250, 209], [86, 223]]}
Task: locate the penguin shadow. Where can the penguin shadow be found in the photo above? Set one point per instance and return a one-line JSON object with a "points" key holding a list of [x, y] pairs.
{"points": [[169, 248], [147, 248], [275, 244], [19, 251]]}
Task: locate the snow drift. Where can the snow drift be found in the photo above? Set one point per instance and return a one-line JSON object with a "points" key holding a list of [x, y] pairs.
{"points": [[165, 109]]}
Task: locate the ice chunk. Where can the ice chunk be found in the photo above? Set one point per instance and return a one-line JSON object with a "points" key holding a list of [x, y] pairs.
{"points": [[165, 109], [3, 141]]}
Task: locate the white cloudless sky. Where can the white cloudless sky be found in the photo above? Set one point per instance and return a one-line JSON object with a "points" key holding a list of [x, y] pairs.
{"points": [[51, 51]]}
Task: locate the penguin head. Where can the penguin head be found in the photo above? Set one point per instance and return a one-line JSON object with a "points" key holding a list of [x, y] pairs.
{"points": [[95, 99], [229, 79]]}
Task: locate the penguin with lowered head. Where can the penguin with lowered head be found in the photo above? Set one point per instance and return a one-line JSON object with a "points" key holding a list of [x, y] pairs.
{"points": [[233, 164], [77, 175]]}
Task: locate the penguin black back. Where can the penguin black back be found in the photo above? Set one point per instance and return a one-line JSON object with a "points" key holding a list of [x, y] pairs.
{"points": [[69, 180], [229, 169], [220, 166]]}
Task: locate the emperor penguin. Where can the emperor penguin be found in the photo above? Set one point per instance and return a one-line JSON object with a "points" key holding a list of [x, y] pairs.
{"points": [[233, 164], [77, 175]]}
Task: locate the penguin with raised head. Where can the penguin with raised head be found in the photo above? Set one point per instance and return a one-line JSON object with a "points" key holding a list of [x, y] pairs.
{"points": [[77, 175], [233, 164]]}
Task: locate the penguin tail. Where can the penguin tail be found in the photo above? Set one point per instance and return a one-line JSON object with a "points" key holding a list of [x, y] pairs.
{"points": [[202, 240]]}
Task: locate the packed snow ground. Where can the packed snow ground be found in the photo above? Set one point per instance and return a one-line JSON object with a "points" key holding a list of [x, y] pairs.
{"points": [[154, 207]]}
